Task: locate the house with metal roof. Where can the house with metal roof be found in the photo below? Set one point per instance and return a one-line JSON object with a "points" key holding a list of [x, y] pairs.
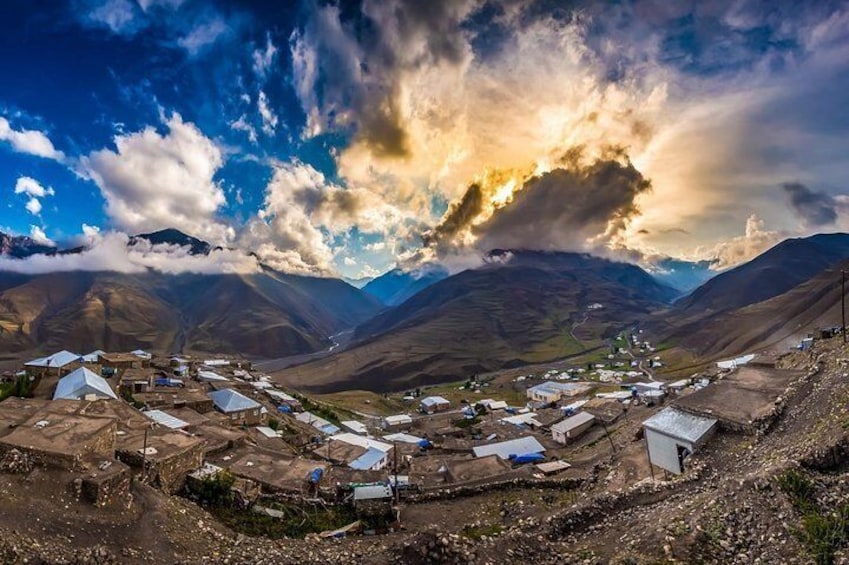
{"points": [[672, 435], [572, 427], [355, 427], [432, 404], [319, 423], [165, 419], [58, 363], [552, 391], [370, 455], [397, 422], [515, 447], [82, 384], [238, 407]]}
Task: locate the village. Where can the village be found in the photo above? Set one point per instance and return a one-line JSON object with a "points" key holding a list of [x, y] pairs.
{"points": [[220, 432]]}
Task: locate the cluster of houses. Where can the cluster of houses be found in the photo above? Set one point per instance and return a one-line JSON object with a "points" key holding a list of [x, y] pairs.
{"points": [[108, 417]]}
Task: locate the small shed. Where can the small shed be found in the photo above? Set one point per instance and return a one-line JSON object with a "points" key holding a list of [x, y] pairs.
{"points": [[672, 435], [572, 427], [432, 404], [397, 422], [521, 446]]}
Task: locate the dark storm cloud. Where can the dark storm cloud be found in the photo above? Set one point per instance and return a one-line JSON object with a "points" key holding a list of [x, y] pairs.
{"points": [[815, 209], [564, 208], [360, 58], [458, 217]]}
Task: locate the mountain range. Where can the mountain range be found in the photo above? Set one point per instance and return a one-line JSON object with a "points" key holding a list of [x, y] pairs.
{"points": [[268, 314], [521, 307], [405, 328]]}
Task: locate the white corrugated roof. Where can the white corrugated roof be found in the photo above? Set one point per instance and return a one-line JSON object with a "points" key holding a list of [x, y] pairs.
{"points": [[367, 443], [80, 383], [372, 492], [166, 419], [678, 424], [355, 426], [573, 422], [267, 432], [398, 419], [58, 359], [210, 376], [403, 438], [505, 449], [228, 400], [433, 400]]}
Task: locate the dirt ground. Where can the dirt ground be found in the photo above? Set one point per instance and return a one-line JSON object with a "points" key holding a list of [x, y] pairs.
{"points": [[729, 507]]}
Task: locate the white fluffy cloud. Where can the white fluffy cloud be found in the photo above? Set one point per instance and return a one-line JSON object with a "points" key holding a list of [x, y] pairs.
{"points": [[31, 187], [736, 250], [37, 234], [111, 252], [302, 213], [154, 181], [29, 141], [33, 206]]}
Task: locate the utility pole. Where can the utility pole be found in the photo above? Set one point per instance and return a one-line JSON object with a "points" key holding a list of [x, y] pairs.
{"points": [[395, 455], [843, 301]]}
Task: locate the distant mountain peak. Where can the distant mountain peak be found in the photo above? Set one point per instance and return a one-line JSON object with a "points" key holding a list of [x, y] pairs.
{"points": [[22, 246], [174, 236]]}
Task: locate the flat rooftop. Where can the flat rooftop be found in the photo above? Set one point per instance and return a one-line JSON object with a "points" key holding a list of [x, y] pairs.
{"points": [[746, 395], [68, 435], [269, 468]]}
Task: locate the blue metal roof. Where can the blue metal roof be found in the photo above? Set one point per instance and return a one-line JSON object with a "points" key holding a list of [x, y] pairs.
{"points": [[505, 449], [228, 400], [368, 460], [77, 384]]}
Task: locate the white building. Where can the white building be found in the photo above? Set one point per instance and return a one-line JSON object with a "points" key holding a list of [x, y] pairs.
{"points": [[376, 456], [82, 384], [551, 391], [397, 422], [672, 435], [572, 427], [355, 427], [431, 404], [515, 447]]}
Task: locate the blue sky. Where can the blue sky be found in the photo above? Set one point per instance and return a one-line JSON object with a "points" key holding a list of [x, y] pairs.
{"points": [[334, 138]]}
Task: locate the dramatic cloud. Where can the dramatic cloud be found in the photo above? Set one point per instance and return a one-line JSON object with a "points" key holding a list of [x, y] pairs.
{"points": [[154, 181], [567, 209], [740, 249], [814, 209], [302, 213], [32, 142], [111, 252], [362, 87], [437, 101]]}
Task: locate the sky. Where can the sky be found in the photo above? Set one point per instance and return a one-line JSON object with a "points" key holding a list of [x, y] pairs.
{"points": [[347, 138]]}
